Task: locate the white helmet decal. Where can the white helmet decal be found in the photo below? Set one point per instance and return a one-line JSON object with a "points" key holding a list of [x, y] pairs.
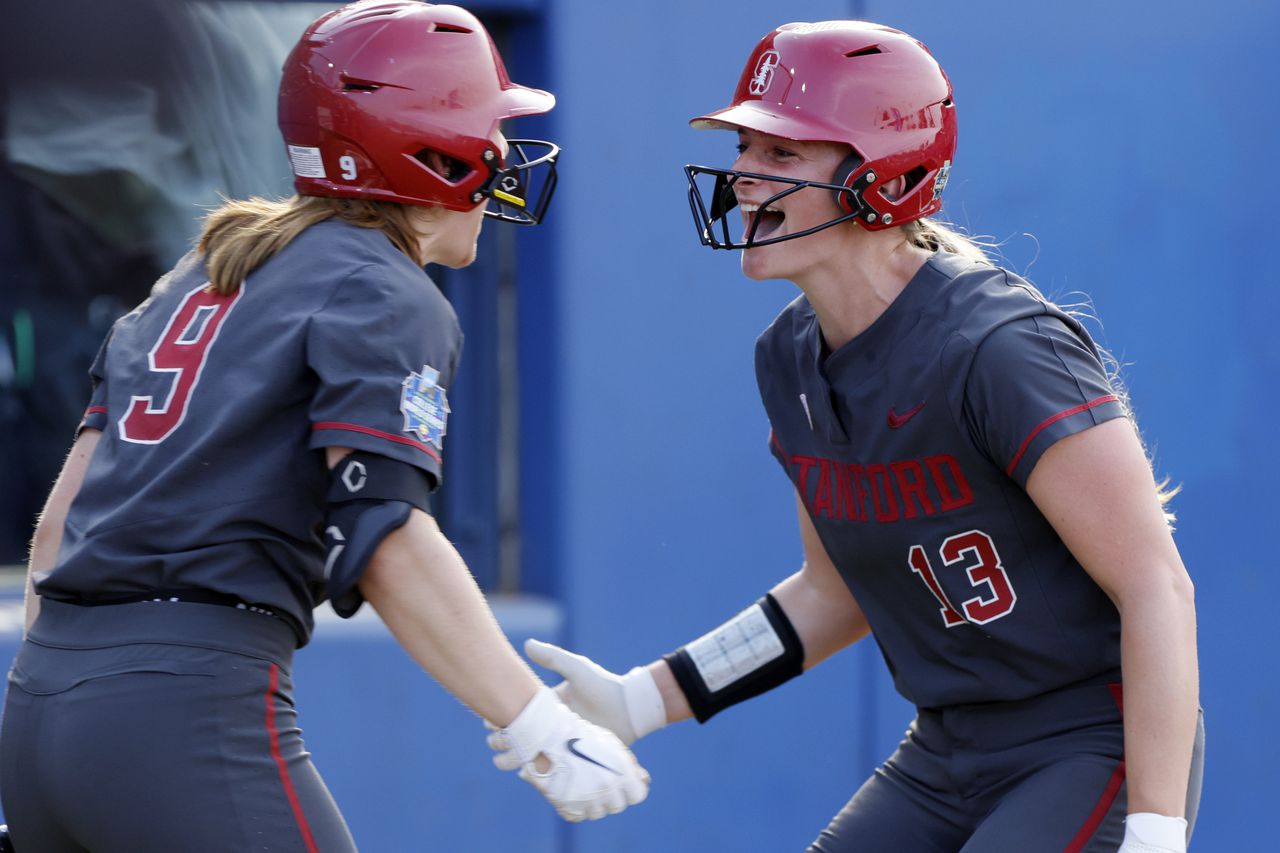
{"points": [[763, 77]]}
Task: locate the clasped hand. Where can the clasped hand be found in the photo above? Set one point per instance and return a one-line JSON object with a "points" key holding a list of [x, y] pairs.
{"points": [[583, 770]]}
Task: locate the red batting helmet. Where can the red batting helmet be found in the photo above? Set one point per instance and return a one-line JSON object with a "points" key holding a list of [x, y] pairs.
{"points": [[871, 87], [373, 88]]}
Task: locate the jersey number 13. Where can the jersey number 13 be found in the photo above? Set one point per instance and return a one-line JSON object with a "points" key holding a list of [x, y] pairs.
{"points": [[975, 552]]}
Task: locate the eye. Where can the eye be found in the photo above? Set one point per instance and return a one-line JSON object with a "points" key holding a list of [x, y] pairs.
{"points": [[740, 147], [782, 153]]}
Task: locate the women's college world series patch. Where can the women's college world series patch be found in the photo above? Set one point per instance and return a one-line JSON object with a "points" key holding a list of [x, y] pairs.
{"points": [[425, 407]]}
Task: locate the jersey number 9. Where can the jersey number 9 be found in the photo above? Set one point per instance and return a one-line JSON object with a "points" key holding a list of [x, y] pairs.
{"points": [[182, 351]]}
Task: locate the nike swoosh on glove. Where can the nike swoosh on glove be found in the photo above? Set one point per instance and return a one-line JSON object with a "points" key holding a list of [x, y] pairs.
{"points": [[590, 774]]}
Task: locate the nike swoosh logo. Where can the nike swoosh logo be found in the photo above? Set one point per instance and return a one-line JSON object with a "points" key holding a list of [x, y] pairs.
{"points": [[572, 746], [896, 420]]}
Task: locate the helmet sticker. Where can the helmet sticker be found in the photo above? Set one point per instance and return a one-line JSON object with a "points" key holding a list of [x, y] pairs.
{"points": [[940, 182], [425, 406], [762, 78], [509, 191], [306, 161]]}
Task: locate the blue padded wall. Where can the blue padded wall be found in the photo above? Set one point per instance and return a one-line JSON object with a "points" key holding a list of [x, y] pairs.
{"points": [[1120, 150], [1133, 143]]}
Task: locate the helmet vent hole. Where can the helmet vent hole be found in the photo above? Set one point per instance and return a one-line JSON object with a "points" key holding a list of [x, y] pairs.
{"points": [[450, 168], [450, 28], [913, 178], [865, 51], [356, 84]]}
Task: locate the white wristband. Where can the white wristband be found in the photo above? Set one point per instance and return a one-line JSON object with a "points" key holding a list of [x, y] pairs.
{"points": [[1157, 832], [645, 707]]}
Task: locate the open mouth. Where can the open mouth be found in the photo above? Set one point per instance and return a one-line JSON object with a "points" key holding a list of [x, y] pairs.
{"points": [[766, 222]]}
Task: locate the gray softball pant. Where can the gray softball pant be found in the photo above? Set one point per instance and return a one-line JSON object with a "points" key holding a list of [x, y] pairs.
{"points": [[159, 726], [1042, 775]]}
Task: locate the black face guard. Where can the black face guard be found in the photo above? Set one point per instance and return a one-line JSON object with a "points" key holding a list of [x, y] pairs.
{"points": [[509, 189], [712, 221]]}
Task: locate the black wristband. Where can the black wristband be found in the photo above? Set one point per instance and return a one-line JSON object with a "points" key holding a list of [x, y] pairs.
{"points": [[706, 702]]}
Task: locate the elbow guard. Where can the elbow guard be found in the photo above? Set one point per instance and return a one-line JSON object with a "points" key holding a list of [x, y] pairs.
{"points": [[750, 654], [369, 497]]}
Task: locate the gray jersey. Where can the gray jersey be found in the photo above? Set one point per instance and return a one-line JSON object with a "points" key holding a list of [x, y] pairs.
{"points": [[911, 446], [214, 409]]}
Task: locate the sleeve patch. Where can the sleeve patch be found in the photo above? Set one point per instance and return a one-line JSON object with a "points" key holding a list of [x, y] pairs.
{"points": [[425, 406]]}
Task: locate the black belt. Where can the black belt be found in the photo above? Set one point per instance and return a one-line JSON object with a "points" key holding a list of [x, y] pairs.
{"points": [[191, 596]]}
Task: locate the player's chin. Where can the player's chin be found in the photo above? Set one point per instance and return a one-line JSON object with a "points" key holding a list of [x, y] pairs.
{"points": [[462, 258], [755, 264]]}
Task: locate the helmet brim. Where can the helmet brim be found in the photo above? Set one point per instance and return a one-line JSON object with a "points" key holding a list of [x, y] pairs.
{"points": [[755, 115], [524, 101]]}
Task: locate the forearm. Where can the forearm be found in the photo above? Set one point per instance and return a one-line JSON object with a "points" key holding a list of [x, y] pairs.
{"points": [[47, 540], [31, 602], [427, 597], [1161, 697], [825, 616]]}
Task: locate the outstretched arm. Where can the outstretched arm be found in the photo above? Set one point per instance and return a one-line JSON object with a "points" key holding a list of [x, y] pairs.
{"points": [[1097, 490], [824, 613], [47, 540], [815, 600], [428, 599]]}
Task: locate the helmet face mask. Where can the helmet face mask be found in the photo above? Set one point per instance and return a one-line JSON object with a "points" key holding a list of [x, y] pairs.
{"points": [[873, 88], [712, 219], [374, 89], [520, 191]]}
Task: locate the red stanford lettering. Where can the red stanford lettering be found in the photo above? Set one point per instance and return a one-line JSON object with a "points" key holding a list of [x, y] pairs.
{"points": [[880, 492]]}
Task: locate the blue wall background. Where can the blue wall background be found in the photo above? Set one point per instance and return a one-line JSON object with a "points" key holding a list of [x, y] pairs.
{"points": [[1122, 150]]}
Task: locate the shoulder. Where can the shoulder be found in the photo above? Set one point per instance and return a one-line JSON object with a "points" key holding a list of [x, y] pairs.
{"points": [[977, 301], [978, 297], [342, 249], [354, 265]]}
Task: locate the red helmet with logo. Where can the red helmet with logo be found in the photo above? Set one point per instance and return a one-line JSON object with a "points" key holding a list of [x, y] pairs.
{"points": [[869, 86], [373, 88]]}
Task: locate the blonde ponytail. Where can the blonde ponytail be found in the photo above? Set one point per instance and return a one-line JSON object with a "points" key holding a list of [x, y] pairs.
{"points": [[934, 236], [242, 235]]}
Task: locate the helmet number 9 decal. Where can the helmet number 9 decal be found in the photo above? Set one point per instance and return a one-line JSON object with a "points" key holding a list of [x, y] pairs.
{"points": [[348, 165], [182, 350], [976, 554]]}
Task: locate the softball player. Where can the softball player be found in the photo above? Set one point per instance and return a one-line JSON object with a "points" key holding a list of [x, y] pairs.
{"points": [[286, 384], [971, 489]]}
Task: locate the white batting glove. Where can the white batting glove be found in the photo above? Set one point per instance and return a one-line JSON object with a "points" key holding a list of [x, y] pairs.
{"points": [[1145, 832], [628, 705], [591, 773]]}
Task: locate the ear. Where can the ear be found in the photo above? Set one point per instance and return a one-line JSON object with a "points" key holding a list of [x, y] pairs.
{"points": [[437, 163], [893, 189]]}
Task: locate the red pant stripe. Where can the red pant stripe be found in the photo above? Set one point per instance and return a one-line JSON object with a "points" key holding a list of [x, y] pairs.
{"points": [[1099, 811], [289, 791]]}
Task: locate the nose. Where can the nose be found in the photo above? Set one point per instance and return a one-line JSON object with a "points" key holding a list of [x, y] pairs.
{"points": [[744, 162]]}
